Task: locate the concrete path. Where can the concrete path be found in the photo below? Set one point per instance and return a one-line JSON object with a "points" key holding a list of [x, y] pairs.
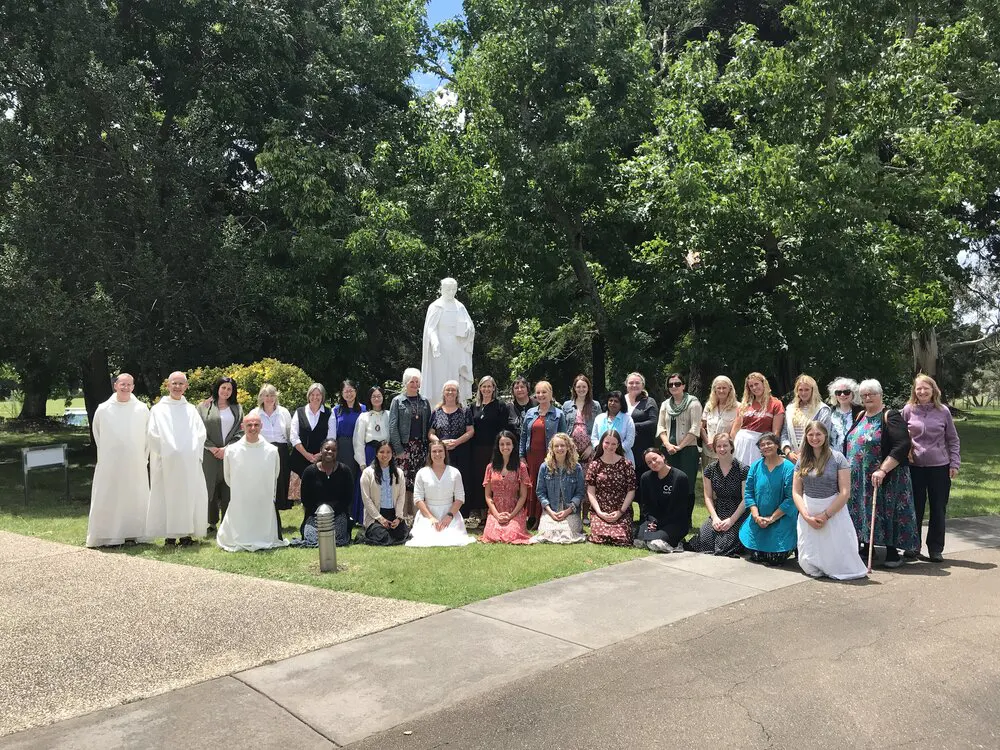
{"points": [[341, 694], [82, 630]]}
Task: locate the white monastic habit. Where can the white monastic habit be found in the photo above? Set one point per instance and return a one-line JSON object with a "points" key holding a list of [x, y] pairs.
{"points": [[251, 471], [178, 500], [119, 495], [449, 336]]}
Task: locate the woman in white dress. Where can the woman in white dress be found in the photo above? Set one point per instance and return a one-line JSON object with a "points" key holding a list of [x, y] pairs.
{"points": [[827, 540], [438, 494]]}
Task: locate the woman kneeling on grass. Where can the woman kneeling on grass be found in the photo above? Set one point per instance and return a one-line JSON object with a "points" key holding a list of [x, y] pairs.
{"points": [[560, 491], [506, 487], [769, 533], [438, 494], [611, 489], [828, 542], [383, 492]]}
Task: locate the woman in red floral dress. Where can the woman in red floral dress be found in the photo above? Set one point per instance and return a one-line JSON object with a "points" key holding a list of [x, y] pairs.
{"points": [[506, 485], [610, 489]]}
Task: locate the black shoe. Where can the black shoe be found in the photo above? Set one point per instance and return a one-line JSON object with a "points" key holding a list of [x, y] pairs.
{"points": [[169, 542], [910, 554], [211, 529], [892, 558], [532, 523], [935, 557], [186, 541]]}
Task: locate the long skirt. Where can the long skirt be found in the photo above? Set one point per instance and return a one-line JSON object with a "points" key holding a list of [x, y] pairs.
{"points": [[475, 497], [618, 533], [831, 551], [377, 535], [425, 533], [281, 501], [719, 543], [345, 454], [745, 447], [567, 531]]}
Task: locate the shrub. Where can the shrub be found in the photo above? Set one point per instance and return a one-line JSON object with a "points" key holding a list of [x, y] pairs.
{"points": [[290, 380]]}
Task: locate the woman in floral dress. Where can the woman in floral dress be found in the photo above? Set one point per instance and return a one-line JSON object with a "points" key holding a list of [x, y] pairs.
{"points": [[506, 484], [610, 490], [877, 446]]}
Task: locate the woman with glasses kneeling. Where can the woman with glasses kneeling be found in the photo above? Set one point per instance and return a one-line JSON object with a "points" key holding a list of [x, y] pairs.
{"points": [[438, 494], [561, 491], [828, 542], [769, 532], [383, 492]]}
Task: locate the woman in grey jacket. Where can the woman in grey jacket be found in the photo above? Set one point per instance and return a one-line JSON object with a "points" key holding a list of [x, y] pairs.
{"points": [[409, 423]]}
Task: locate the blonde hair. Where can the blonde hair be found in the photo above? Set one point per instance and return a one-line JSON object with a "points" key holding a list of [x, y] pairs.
{"points": [[545, 385], [731, 402], [935, 391], [748, 396], [572, 457], [809, 461], [479, 389], [267, 390], [724, 434], [815, 400]]}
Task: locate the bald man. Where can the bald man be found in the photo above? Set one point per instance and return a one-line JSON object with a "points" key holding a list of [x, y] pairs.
{"points": [[119, 494], [178, 500], [250, 467]]}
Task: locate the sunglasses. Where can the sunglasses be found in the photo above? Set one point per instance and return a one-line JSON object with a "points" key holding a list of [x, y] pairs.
{"points": [[675, 385], [842, 393]]}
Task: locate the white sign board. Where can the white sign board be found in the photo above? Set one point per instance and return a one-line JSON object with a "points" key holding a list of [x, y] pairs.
{"points": [[49, 455]]}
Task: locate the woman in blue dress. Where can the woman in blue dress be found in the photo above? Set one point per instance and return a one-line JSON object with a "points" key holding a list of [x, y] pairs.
{"points": [[770, 530], [346, 412]]}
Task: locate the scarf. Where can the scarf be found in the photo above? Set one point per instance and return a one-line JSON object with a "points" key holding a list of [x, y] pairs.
{"points": [[675, 410]]}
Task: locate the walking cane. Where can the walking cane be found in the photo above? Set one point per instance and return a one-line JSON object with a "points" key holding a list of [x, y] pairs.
{"points": [[871, 538]]}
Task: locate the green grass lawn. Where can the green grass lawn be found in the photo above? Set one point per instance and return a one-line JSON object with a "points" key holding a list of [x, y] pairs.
{"points": [[451, 577], [53, 407]]}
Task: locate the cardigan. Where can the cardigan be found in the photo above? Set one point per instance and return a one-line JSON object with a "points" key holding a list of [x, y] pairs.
{"points": [[371, 495]]}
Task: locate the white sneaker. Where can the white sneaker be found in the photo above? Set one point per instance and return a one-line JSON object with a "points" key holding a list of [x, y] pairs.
{"points": [[658, 545], [638, 544], [678, 548]]}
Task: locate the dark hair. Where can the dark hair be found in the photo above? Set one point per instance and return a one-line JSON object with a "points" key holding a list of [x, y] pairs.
{"points": [[340, 399], [588, 406], [218, 384], [513, 461], [525, 381], [621, 401], [675, 375], [769, 436], [431, 442], [651, 449], [600, 444], [377, 467], [371, 392]]}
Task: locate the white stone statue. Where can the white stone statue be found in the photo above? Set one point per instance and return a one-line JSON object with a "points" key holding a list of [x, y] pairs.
{"points": [[447, 352]]}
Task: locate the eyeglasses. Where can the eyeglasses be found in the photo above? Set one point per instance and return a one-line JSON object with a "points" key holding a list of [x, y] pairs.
{"points": [[675, 385], [846, 392], [868, 395]]}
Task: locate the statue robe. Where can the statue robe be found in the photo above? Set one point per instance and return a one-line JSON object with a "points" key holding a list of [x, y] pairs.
{"points": [[251, 471], [119, 495], [178, 500], [450, 323]]}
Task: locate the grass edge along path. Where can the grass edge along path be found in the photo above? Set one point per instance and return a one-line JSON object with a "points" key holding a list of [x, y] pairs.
{"points": [[448, 576]]}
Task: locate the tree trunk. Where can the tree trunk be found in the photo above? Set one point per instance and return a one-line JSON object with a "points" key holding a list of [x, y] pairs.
{"points": [[96, 384], [600, 364], [36, 387], [578, 261], [925, 351]]}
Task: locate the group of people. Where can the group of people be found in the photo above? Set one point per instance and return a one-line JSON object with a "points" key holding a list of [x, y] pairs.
{"points": [[824, 480]]}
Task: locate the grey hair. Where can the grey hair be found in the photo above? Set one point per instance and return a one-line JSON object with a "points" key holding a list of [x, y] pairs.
{"points": [[409, 373], [870, 386], [638, 375], [269, 390], [316, 387], [849, 383]]}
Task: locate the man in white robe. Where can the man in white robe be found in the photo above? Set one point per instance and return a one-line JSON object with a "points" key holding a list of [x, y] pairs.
{"points": [[250, 467], [119, 495], [178, 500], [449, 336]]}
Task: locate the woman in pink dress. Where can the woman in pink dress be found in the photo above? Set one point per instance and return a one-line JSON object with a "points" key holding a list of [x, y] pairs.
{"points": [[610, 490], [506, 486]]}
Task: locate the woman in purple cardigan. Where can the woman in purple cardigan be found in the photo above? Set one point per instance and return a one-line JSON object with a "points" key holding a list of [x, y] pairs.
{"points": [[934, 457]]}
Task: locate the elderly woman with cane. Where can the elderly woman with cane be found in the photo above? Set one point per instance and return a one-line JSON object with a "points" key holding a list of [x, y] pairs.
{"points": [[881, 500]]}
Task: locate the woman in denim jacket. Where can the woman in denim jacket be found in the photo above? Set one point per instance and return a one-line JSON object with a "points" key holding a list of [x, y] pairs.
{"points": [[540, 425], [560, 492], [409, 423]]}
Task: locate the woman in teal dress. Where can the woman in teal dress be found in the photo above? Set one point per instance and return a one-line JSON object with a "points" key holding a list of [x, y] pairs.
{"points": [[877, 446], [770, 530]]}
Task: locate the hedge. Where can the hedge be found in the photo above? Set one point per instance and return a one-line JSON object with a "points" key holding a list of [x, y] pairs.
{"points": [[290, 380]]}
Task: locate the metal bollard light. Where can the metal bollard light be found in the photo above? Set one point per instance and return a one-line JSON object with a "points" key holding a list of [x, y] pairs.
{"points": [[327, 539]]}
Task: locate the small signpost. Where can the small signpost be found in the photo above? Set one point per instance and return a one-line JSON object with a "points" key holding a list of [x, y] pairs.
{"points": [[45, 457]]}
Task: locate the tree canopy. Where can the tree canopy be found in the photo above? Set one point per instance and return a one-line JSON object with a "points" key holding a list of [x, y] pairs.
{"points": [[617, 185]]}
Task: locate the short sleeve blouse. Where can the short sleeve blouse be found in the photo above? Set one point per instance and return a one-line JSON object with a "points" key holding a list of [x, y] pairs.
{"points": [[824, 485], [762, 420]]}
